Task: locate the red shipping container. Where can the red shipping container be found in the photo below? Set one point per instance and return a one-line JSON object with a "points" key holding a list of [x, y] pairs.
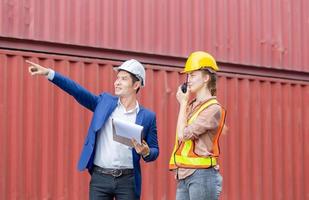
{"points": [[265, 33], [264, 155]]}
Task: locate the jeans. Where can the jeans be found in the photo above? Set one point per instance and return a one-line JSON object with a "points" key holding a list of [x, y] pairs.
{"points": [[106, 187], [203, 184]]}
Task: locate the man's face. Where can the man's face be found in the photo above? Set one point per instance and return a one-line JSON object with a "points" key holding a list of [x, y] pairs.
{"points": [[124, 84]]}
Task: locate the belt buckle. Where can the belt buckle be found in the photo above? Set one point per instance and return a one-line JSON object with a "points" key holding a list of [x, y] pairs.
{"points": [[116, 172]]}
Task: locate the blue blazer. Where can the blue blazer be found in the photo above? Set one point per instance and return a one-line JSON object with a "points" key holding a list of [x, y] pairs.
{"points": [[102, 107]]}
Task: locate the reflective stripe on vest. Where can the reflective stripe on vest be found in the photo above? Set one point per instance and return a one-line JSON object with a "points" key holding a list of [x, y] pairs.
{"points": [[183, 154]]}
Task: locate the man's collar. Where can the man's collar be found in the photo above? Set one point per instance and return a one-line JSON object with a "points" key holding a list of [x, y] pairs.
{"points": [[136, 108]]}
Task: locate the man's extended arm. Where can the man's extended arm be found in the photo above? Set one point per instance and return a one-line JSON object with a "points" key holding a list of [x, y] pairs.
{"points": [[83, 96]]}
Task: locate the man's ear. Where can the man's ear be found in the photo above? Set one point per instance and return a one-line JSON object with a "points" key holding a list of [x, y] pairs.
{"points": [[137, 85]]}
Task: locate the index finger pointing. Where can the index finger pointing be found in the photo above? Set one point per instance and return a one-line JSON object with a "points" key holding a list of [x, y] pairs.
{"points": [[32, 63]]}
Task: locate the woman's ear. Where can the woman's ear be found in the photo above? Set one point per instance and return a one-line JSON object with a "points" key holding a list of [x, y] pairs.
{"points": [[206, 78]]}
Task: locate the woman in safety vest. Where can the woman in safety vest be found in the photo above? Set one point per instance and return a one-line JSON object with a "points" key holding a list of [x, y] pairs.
{"points": [[199, 126]]}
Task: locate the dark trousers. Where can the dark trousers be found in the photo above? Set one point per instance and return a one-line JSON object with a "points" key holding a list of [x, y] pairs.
{"points": [[108, 187]]}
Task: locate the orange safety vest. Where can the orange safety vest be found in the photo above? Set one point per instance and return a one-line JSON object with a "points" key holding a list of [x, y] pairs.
{"points": [[183, 154]]}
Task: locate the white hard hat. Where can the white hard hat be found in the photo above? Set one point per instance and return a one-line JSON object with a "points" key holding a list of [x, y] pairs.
{"points": [[135, 68]]}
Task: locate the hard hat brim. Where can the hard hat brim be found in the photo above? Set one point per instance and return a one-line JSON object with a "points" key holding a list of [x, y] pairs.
{"points": [[205, 68]]}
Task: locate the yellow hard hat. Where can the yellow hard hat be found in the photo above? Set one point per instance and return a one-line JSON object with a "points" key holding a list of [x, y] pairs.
{"points": [[200, 60]]}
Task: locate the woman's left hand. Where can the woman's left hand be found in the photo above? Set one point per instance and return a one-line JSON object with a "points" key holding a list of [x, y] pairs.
{"points": [[182, 98]]}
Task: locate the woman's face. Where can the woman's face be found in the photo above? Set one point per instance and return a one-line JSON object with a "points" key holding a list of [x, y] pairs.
{"points": [[197, 80]]}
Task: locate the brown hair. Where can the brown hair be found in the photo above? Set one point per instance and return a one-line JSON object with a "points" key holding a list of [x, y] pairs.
{"points": [[212, 83], [134, 79]]}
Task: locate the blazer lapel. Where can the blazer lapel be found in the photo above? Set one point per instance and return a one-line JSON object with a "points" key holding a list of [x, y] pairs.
{"points": [[140, 116], [104, 111]]}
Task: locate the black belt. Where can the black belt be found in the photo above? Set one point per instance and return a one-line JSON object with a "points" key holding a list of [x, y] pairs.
{"points": [[112, 172]]}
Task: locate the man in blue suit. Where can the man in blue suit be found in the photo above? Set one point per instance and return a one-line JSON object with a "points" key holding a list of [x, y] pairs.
{"points": [[114, 167]]}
